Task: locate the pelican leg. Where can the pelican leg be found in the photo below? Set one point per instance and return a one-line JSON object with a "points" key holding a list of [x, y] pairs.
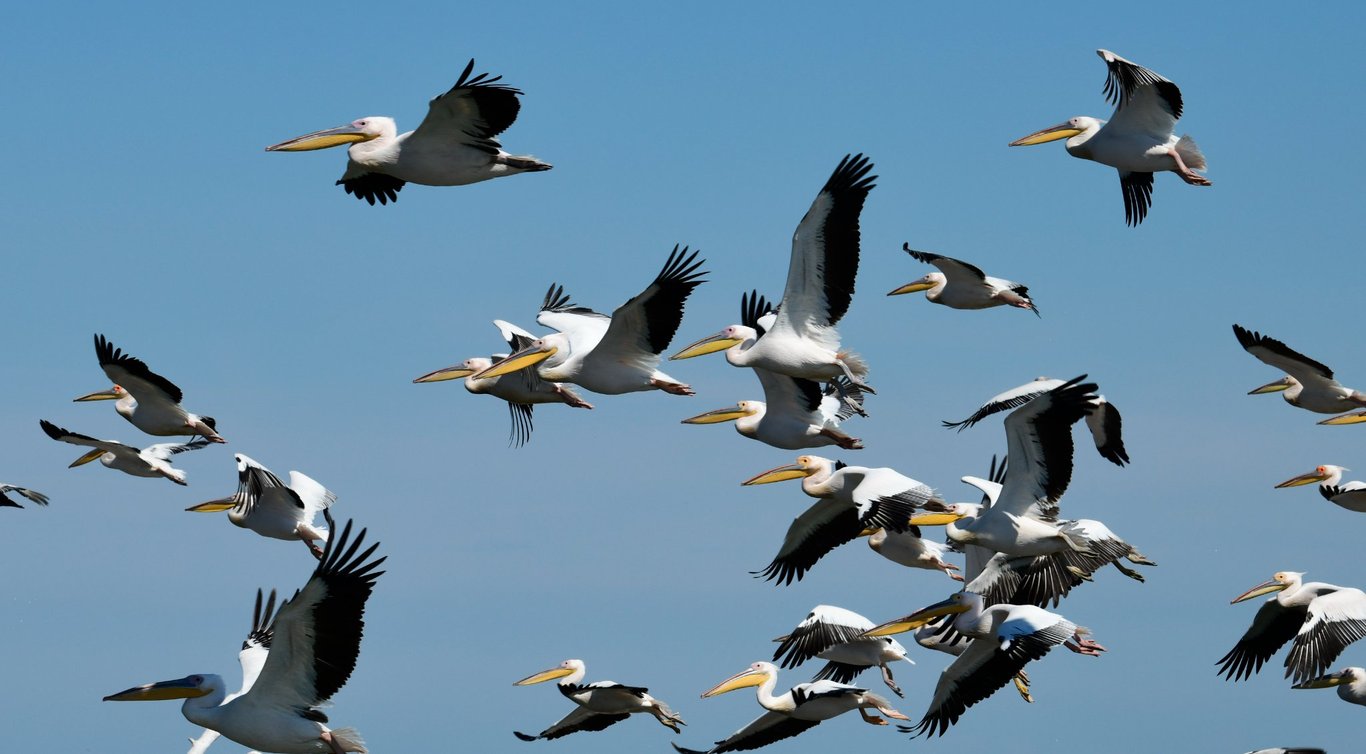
{"points": [[672, 388], [1135, 556], [891, 684], [841, 439], [871, 719], [1083, 646], [331, 742], [1131, 573], [1187, 175], [571, 399], [316, 550], [948, 569]]}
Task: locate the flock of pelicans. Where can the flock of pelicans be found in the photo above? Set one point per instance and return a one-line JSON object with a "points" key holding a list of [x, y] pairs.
{"points": [[1020, 556]]}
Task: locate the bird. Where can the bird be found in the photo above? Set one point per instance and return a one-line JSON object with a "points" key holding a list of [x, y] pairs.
{"points": [[803, 341], [601, 703], [315, 643], [521, 392], [1351, 495], [959, 285], [7, 502], [456, 144], [1308, 385], [148, 400], [1322, 619], [252, 657], [802, 707], [910, 549], [151, 461], [1005, 638], [271, 508], [1350, 682], [834, 634], [1102, 418], [616, 354], [1138, 140]]}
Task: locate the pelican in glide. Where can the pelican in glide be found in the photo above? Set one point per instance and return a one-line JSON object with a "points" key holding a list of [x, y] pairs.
{"points": [[1351, 495], [314, 647], [1139, 139], [601, 703], [1308, 385], [1350, 683], [151, 461], [1322, 619], [252, 657], [959, 285], [836, 635], [7, 502], [271, 508], [456, 144], [148, 400]]}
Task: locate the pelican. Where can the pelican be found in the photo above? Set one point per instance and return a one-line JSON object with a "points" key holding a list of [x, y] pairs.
{"points": [[252, 657], [1309, 384], [151, 461], [804, 706], [1138, 140], [315, 644], [148, 400], [852, 500], [1005, 638], [803, 341], [520, 392], [835, 634], [795, 413], [959, 285], [910, 549], [269, 507], [1351, 495], [940, 636], [7, 502], [456, 144], [601, 703], [1351, 684], [1102, 418], [616, 354], [1323, 620]]}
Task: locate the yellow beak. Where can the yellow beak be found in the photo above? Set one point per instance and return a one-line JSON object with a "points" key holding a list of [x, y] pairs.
{"points": [[213, 506], [103, 395], [1266, 587], [87, 458], [1270, 387], [516, 362], [1353, 418], [1303, 479], [545, 675], [332, 137], [743, 679], [935, 519], [716, 417], [449, 373], [1322, 682], [917, 619], [780, 474], [1052, 133], [709, 344], [919, 285], [180, 688]]}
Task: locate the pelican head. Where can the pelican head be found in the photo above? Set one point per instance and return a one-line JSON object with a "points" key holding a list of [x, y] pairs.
{"points": [[927, 283], [960, 602], [463, 369], [1342, 677], [563, 670], [112, 394], [365, 129], [1065, 130], [536, 351], [754, 675], [1279, 582], [1356, 417], [804, 467], [189, 687], [731, 336], [940, 514], [730, 413], [1325, 473]]}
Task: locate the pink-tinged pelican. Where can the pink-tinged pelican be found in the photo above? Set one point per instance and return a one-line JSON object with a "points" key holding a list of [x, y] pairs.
{"points": [[1308, 384], [271, 508], [1350, 683], [148, 400], [959, 285], [1102, 418], [456, 144], [836, 635], [802, 707], [1351, 495], [152, 461], [315, 643], [1139, 139], [1322, 619], [601, 703], [7, 502], [252, 657]]}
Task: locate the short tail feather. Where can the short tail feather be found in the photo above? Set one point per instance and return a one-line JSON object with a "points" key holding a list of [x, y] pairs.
{"points": [[350, 740]]}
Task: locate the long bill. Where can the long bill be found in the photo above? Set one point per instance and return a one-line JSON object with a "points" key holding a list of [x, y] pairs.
{"points": [[1052, 133], [213, 506], [919, 285], [180, 688], [780, 474], [330, 137], [1271, 387], [102, 395], [544, 675], [709, 344], [87, 458], [1303, 479], [1266, 587], [728, 414], [449, 373], [527, 357], [917, 619], [743, 679], [1323, 681], [1356, 417]]}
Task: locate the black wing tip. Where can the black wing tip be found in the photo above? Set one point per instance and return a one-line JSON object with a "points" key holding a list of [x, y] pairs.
{"points": [[52, 430], [919, 256], [752, 307], [682, 268], [481, 81], [372, 187], [520, 735], [851, 175]]}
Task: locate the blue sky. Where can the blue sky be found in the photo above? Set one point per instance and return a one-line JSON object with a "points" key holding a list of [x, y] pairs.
{"points": [[139, 204]]}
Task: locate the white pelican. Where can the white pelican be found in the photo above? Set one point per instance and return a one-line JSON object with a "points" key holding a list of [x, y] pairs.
{"points": [[252, 657], [1323, 619], [313, 651], [601, 703], [910, 549], [616, 354], [456, 144], [1102, 418], [803, 341], [853, 500], [803, 706], [795, 413], [151, 461], [269, 507], [1309, 384], [1138, 140], [1351, 495], [1351, 684], [6, 502], [959, 285], [1005, 638], [520, 392], [148, 400], [835, 634]]}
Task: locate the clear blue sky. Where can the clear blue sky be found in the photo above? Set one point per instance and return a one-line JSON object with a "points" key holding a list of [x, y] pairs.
{"points": [[138, 203]]}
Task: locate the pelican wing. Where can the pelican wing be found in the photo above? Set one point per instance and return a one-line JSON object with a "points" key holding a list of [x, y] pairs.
{"points": [[824, 627], [827, 525], [579, 720], [1025, 580], [1351, 498], [762, 731], [1277, 354], [755, 312], [370, 187], [791, 396], [1106, 427], [1039, 442], [36, 497], [1273, 626], [1334, 621], [74, 438], [520, 413], [835, 408], [583, 326], [133, 375], [1144, 101], [258, 486], [957, 271], [313, 495], [256, 647], [472, 113], [1012, 398], [643, 327], [163, 451]]}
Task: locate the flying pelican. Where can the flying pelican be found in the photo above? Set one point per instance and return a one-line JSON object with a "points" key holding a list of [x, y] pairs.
{"points": [[151, 461], [1138, 140], [252, 657], [6, 502], [1309, 384], [1005, 638], [959, 285], [1323, 619], [910, 549], [269, 507], [601, 703], [1102, 418], [616, 354], [313, 651], [456, 144], [520, 392], [803, 341], [835, 634], [852, 500], [804, 706], [940, 636], [148, 400], [795, 413], [1351, 683], [1351, 495]]}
